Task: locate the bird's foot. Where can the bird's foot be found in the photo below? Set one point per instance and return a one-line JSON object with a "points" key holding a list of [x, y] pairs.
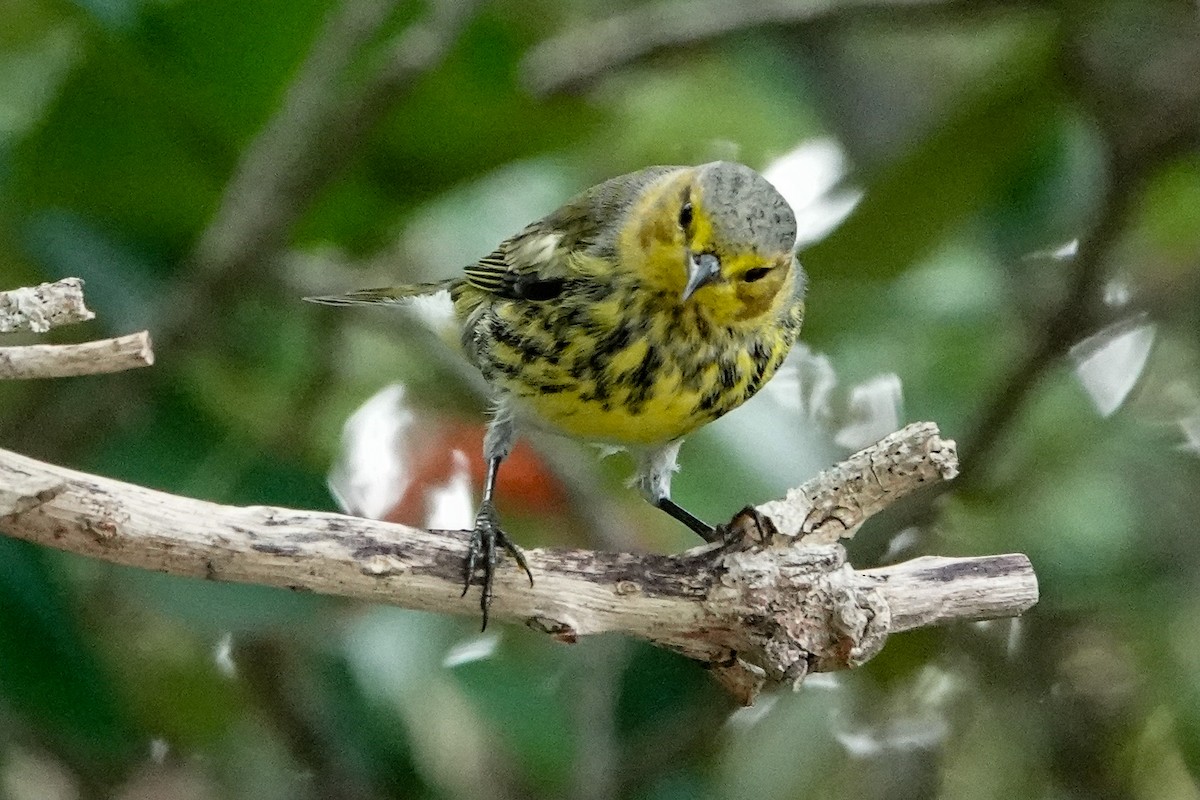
{"points": [[487, 542], [748, 526]]}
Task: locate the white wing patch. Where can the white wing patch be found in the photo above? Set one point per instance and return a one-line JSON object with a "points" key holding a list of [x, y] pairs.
{"points": [[539, 249]]}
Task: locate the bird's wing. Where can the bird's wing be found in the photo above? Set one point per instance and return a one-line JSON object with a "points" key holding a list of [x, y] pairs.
{"points": [[533, 265], [536, 263]]}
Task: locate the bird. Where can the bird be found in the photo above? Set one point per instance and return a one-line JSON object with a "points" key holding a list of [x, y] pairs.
{"points": [[639, 311]]}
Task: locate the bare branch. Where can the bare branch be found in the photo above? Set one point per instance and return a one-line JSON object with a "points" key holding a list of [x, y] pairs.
{"points": [[40, 308], [1077, 316], [836, 503], [583, 54], [988, 587], [1155, 120], [266, 192], [318, 128], [68, 360], [21, 492], [408, 56], [764, 607]]}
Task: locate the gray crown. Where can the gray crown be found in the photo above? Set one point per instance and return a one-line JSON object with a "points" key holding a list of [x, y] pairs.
{"points": [[746, 208]]}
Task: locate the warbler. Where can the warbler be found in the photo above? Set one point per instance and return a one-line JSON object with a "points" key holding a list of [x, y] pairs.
{"points": [[639, 311]]}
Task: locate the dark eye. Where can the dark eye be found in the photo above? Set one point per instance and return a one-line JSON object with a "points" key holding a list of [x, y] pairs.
{"points": [[758, 273], [685, 216]]}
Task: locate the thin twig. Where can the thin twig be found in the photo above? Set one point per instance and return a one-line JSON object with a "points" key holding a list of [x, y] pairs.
{"points": [[1134, 152], [1074, 319], [765, 606], [40, 308], [68, 360]]}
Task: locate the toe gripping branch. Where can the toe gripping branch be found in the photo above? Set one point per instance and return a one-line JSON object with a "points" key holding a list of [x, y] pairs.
{"points": [[487, 541]]}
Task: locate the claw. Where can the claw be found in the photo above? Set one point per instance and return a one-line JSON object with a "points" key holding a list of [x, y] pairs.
{"points": [[472, 553], [518, 556], [484, 540], [748, 526]]}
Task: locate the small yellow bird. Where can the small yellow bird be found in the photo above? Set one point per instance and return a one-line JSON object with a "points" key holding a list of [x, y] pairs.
{"points": [[641, 310]]}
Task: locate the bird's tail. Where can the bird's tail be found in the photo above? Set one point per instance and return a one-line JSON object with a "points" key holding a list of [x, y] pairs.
{"points": [[385, 296]]}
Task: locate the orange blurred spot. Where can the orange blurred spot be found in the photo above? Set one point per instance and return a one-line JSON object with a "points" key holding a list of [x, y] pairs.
{"points": [[524, 484]]}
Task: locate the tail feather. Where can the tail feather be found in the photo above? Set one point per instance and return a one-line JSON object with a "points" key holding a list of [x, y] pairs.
{"points": [[384, 296]]}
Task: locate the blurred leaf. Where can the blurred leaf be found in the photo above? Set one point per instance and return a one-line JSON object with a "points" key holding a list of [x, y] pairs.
{"points": [[279, 482], [252, 384], [48, 672], [117, 15], [904, 656], [365, 734], [1162, 246], [1176, 670], [734, 108], [123, 285], [993, 755], [1063, 496], [131, 139], [766, 738], [28, 23], [170, 674], [517, 691], [1051, 195], [213, 608], [31, 68], [955, 172], [1156, 764], [1170, 214], [432, 141], [163, 450], [113, 147], [657, 688], [226, 63]]}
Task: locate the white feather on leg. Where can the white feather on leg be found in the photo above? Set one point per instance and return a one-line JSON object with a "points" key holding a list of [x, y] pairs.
{"points": [[655, 468]]}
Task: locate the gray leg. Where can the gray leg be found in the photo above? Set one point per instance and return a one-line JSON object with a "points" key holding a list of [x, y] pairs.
{"points": [[653, 478], [501, 432], [497, 444]]}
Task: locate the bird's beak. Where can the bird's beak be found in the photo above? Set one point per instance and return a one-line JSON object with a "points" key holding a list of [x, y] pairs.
{"points": [[703, 268]]}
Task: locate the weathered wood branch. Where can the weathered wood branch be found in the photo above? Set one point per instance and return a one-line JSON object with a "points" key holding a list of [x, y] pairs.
{"points": [[68, 360], [40, 308], [765, 607]]}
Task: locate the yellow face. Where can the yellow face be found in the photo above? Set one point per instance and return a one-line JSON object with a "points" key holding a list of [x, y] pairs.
{"points": [[675, 246]]}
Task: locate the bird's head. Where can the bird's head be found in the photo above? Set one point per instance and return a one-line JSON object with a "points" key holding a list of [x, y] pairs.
{"points": [[719, 236]]}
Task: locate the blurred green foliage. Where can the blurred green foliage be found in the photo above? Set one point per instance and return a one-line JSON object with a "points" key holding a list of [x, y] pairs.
{"points": [[983, 140]]}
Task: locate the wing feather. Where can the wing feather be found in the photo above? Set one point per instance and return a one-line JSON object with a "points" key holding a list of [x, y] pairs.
{"points": [[536, 263]]}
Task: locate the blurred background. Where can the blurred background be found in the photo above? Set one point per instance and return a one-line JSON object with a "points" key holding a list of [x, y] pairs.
{"points": [[999, 206]]}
